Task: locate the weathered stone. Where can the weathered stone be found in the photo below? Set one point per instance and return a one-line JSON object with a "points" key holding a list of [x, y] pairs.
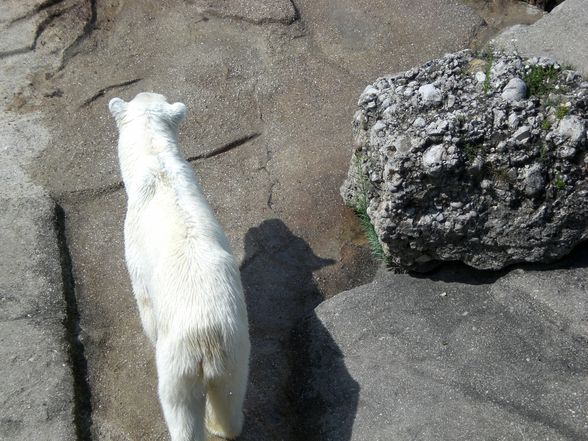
{"points": [[572, 128], [552, 36], [476, 176], [452, 357], [515, 90], [534, 180], [429, 94]]}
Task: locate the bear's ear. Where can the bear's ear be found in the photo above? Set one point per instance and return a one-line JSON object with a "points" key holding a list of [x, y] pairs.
{"points": [[117, 108], [177, 112]]}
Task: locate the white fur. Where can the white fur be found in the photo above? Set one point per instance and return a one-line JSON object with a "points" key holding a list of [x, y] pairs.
{"points": [[185, 279]]}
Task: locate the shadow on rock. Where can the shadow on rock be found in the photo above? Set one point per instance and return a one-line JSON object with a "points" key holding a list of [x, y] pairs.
{"points": [[281, 296], [461, 273]]}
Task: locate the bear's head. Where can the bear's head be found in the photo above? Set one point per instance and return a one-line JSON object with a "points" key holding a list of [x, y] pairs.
{"points": [[150, 105]]}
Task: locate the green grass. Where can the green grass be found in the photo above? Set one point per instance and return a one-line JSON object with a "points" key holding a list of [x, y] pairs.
{"points": [[559, 183], [360, 209], [471, 151], [498, 175], [359, 206], [489, 56], [546, 124], [540, 79], [543, 154], [561, 111]]}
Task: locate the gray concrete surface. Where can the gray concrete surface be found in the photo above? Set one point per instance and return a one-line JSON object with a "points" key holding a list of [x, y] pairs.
{"points": [[286, 90], [37, 320], [279, 85], [456, 355], [36, 382], [561, 34], [254, 11]]}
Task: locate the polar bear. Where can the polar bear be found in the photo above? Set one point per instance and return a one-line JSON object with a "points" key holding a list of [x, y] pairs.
{"points": [[185, 279]]}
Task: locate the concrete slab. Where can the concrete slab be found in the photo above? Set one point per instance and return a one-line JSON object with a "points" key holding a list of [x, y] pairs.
{"points": [[36, 381], [37, 336], [561, 34], [366, 36], [456, 355]]}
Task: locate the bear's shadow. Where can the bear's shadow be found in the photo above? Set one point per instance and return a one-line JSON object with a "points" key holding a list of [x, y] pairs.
{"points": [[294, 359]]}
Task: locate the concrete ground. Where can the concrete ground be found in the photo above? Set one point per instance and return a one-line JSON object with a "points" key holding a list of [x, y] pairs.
{"points": [[452, 355], [271, 87]]}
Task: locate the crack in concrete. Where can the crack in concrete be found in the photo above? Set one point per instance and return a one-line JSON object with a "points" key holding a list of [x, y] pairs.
{"points": [[268, 152], [272, 182], [259, 22], [41, 27], [19, 51], [225, 148], [297, 15], [90, 193], [269, 202], [102, 91], [79, 364], [93, 193], [73, 49], [41, 7]]}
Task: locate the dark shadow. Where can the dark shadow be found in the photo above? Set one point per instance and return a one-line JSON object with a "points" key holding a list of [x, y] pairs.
{"points": [[461, 273], [293, 357]]}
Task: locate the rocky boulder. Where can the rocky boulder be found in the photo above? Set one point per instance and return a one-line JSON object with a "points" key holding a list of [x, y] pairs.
{"points": [[477, 160]]}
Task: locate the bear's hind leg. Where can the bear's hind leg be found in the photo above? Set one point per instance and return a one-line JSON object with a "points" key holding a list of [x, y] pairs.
{"points": [[147, 317], [224, 404], [182, 397]]}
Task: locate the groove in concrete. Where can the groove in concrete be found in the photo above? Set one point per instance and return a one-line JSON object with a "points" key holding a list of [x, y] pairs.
{"points": [[102, 91], [79, 364], [225, 148], [89, 27]]}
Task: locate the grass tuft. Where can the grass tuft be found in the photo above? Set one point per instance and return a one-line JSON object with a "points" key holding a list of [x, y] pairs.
{"points": [[559, 183], [489, 60], [359, 206], [561, 111], [540, 79], [471, 151]]}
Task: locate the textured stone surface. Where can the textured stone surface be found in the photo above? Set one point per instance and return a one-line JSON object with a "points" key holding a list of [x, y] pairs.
{"points": [[457, 166], [284, 92], [455, 356], [38, 399], [255, 11], [36, 382], [561, 34], [360, 36]]}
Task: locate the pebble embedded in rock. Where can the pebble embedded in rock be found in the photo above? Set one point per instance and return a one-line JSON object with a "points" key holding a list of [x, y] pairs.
{"points": [[430, 94], [522, 135], [515, 90], [433, 159], [573, 128], [533, 180]]}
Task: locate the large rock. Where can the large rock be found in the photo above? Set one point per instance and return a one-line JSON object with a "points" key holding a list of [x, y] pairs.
{"points": [[560, 34], [458, 357], [460, 166]]}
